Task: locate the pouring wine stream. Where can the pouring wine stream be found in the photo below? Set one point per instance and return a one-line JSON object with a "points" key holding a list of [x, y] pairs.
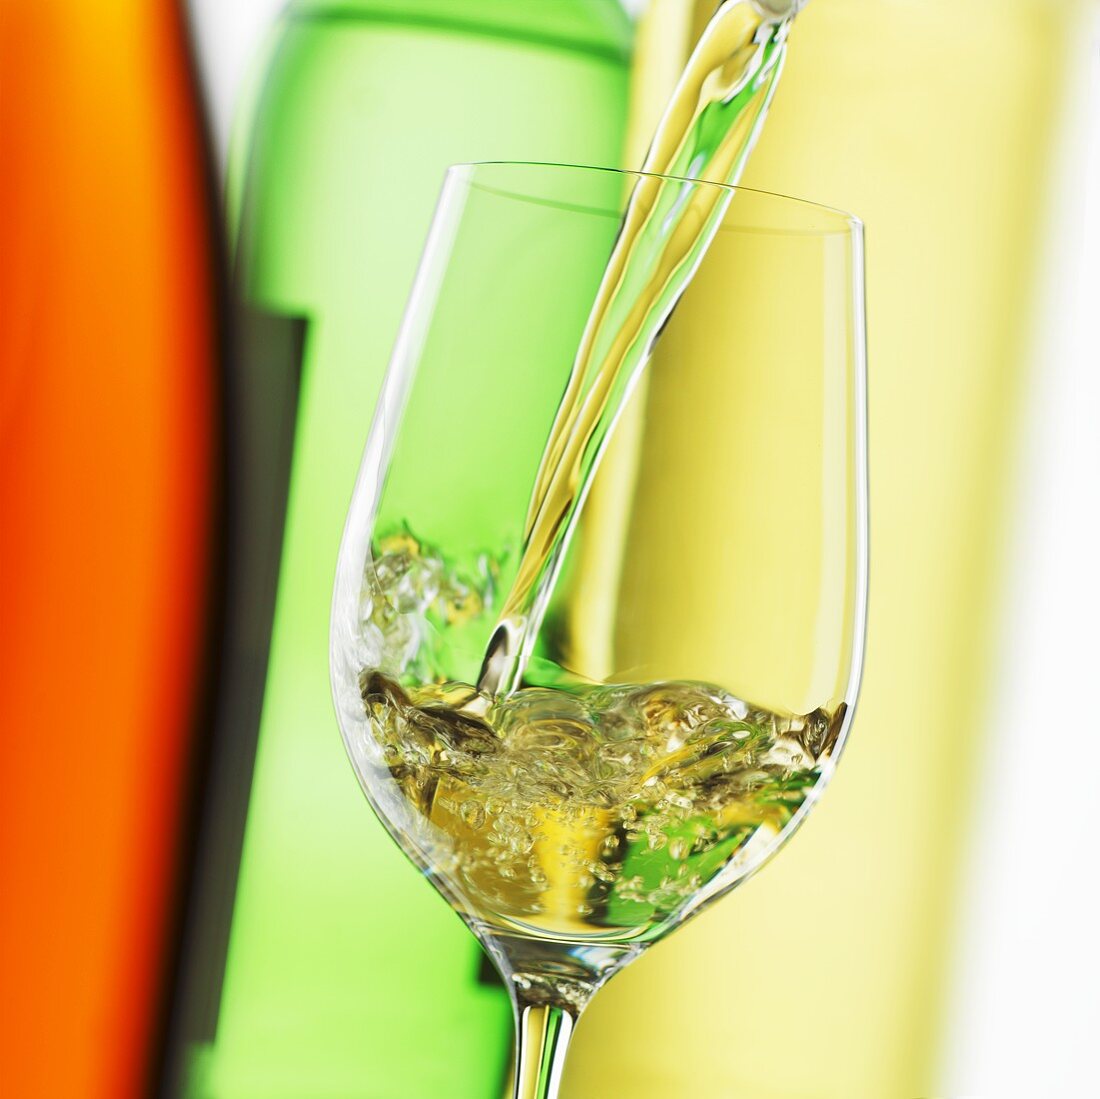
{"points": [[707, 133]]}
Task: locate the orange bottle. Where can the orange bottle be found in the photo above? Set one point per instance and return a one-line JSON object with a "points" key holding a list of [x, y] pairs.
{"points": [[108, 395]]}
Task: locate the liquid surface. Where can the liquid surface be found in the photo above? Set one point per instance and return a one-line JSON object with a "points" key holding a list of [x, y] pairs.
{"points": [[582, 810]]}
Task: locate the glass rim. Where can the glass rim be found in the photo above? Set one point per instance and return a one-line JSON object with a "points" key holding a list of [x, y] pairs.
{"points": [[853, 221]]}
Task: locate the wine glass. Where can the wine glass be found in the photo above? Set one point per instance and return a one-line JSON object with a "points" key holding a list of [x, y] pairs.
{"points": [[696, 663]]}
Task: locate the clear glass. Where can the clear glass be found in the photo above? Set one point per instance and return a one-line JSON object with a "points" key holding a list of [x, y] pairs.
{"points": [[719, 561]]}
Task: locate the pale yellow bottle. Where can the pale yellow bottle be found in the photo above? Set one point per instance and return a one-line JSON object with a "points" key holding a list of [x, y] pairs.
{"points": [[825, 976]]}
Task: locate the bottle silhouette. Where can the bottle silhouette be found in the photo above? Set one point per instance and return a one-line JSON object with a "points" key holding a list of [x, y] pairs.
{"points": [[834, 960], [315, 961], [109, 399]]}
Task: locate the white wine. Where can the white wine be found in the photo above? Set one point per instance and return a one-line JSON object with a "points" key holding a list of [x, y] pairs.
{"points": [[581, 811], [589, 817]]}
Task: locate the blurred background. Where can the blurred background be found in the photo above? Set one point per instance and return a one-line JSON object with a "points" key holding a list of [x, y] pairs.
{"points": [[212, 214]]}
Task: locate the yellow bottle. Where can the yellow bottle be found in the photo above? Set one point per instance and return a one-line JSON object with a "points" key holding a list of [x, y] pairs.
{"points": [[825, 976]]}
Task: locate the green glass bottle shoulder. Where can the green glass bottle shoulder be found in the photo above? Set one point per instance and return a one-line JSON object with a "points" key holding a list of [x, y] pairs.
{"points": [[598, 28], [598, 25]]}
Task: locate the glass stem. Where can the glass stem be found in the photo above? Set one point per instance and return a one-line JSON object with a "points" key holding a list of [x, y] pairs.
{"points": [[542, 1038]]}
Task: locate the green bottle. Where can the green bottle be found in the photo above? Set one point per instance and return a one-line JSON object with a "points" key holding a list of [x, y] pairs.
{"points": [[316, 964]]}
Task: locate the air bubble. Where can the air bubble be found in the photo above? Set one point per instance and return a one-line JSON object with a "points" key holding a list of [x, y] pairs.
{"points": [[679, 849], [603, 872]]}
